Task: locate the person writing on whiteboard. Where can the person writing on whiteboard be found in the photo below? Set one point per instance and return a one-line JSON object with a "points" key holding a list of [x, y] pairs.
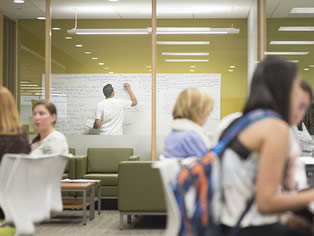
{"points": [[109, 112]]}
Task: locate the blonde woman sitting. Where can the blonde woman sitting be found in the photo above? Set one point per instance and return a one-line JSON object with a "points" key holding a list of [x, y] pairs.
{"points": [[190, 113]]}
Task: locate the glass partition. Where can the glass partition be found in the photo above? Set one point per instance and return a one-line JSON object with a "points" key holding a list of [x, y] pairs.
{"points": [[290, 32]]}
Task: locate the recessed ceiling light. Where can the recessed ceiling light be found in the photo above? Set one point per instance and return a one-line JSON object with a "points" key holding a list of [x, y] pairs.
{"points": [[185, 53], [232, 67], [106, 68], [192, 70], [286, 53], [87, 52], [306, 68], [78, 45], [230, 70], [192, 66], [68, 37], [291, 42], [150, 70], [110, 72], [311, 65], [18, 1], [101, 63], [148, 66], [56, 28], [94, 58], [186, 60], [300, 10], [183, 42], [41, 18], [294, 61]]}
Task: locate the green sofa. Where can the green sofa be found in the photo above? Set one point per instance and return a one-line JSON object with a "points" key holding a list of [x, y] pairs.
{"points": [[69, 172], [140, 190], [102, 164]]}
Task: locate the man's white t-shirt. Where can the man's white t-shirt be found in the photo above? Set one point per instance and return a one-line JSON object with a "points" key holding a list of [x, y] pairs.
{"points": [[110, 113]]}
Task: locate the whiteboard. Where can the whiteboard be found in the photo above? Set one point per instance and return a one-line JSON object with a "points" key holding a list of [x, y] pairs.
{"points": [[76, 97]]}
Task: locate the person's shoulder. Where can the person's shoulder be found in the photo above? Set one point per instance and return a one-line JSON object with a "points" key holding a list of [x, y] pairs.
{"points": [[57, 135], [273, 127]]}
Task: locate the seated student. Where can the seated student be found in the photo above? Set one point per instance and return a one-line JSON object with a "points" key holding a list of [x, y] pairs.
{"points": [[254, 163], [49, 140], [13, 138], [190, 113], [302, 135]]}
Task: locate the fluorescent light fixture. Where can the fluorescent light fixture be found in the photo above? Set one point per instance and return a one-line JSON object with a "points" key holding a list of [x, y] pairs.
{"points": [[291, 43], [311, 66], [24, 82], [287, 53], [68, 37], [94, 58], [160, 30], [106, 68], [186, 60], [29, 85], [107, 31], [56, 28], [296, 28], [18, 1], [185, 53], [232, 67], [306, 68], [230, 70], [195, 30], [300, 10], [110, 72], [88, 52], [294, 61], [150, 70], [183, 42], [192, 70], [148, 66], [192, 66], [41, 18], [78, 45], [101, 63]]}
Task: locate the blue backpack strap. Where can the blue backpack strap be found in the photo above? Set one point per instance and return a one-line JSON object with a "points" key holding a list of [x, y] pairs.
{"points": [[240, 125]]}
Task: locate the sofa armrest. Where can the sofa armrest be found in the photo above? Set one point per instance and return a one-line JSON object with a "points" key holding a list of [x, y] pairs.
{"points": [[80, 166], [72, 168], [134, 158], [140, 188]]}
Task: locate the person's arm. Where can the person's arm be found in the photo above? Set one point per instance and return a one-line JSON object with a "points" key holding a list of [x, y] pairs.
{"points": [[132, 96], [273, 152], [97, 124], [99, 111]]}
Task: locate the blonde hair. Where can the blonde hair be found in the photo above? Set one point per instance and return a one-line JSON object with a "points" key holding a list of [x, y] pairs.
{"points": [[9, 117], [192, 104]]}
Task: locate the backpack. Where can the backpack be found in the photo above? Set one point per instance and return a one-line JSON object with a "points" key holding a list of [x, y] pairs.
{"points": [[195, 183]]}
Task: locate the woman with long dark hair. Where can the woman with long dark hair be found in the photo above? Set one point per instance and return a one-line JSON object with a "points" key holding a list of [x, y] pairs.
{"points": [[253, 165]]}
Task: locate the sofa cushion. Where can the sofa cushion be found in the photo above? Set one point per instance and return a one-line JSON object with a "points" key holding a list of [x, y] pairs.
{"points": [[106, 160], [105, 179]]}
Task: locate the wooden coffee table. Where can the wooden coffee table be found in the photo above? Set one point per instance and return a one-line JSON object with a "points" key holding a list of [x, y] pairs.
{"points": [[82, 203]]}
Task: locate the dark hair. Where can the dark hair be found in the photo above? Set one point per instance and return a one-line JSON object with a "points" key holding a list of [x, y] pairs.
{"points": [[307, 88], [51, 109], [271, 86], [108, 90]]}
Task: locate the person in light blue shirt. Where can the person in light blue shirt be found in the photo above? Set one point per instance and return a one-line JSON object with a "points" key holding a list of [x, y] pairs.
{"points": [[190, 113]]}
